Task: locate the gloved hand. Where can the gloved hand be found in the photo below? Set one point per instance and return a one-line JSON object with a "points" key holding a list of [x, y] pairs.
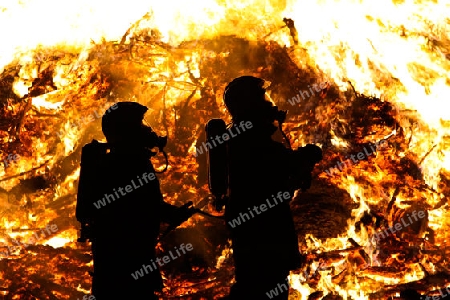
{"points": [[305, 181], [304, 160], [183, 213]]}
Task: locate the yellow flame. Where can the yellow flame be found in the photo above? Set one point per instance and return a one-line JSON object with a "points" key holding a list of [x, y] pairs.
{"points": [[384, 48]]}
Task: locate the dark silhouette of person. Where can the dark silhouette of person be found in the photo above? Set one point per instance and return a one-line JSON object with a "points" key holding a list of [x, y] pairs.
{"points": [[120, 205], [263, 175]]}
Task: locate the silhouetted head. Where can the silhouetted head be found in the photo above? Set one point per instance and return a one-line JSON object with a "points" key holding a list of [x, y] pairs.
{"points": [[245, 98], [122, 121], [123, 124]]}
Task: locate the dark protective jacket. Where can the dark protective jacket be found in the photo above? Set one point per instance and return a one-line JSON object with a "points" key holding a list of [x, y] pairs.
{"points": [[265, 243], [126, 223]]}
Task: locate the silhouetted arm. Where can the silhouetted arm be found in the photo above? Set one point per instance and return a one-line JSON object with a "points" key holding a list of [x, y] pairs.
{"points": [[302, 164], [168, 212]]}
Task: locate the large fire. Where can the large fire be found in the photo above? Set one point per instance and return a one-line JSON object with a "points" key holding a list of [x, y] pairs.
{"points": [[383, 68]]}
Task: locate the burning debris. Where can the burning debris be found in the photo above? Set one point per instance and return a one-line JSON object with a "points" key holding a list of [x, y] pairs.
{"points": [[339, 221]]}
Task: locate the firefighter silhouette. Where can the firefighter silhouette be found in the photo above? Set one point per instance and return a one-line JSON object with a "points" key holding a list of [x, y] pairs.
{"points": [[262, 177], [120, 205]]}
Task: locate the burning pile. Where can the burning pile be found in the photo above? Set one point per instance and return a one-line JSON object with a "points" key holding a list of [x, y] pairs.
{"points": [[373, 226]]}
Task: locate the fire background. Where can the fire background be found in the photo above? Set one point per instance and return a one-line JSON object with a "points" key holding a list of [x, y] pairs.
{"points": [[386, 64]]}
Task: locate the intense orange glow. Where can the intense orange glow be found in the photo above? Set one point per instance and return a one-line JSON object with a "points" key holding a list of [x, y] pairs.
{"points": [[76, 58]]}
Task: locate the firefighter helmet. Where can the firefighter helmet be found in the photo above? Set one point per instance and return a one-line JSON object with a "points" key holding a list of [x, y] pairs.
{"points": [[243, 95], [122, 119], [245, 98]]}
